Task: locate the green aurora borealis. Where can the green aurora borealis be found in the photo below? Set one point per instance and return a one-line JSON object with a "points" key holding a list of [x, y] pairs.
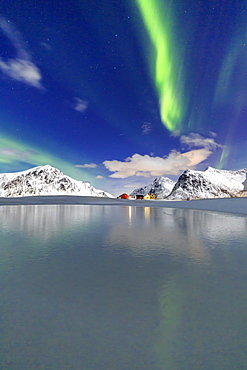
{"points": [[13, 151], [85, 83], [163, 62]]}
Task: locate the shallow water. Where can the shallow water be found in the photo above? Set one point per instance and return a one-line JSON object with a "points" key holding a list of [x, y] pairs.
{"points": [[114, 287]]}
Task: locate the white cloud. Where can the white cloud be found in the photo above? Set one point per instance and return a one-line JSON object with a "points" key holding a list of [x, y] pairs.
{"points": [[15, 38], [213, 134], [16, 154], [132, 186], [146, 127], [46, 46], [173, 164], [20, 68], [99, 177], [175, 133], [195, 140], [87, 165], [80, 105], [146, 166]]}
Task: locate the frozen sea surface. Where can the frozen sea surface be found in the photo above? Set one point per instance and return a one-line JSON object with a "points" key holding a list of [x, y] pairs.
{"points": [[231, 205], [121, 287]]}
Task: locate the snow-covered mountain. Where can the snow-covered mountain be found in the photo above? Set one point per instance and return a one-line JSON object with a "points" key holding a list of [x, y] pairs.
{"points": [[45, 180], [161, 187], [211, 183]]}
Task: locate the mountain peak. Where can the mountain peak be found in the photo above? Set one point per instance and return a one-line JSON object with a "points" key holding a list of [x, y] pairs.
{"points": [[161, 187], [46, 167], [211, 183], [45, 180]]}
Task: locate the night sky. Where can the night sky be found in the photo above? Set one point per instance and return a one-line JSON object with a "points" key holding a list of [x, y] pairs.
{"points": [[118, 92]]}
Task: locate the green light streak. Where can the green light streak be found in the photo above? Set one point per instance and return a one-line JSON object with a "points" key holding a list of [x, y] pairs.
{"points": [[165, 71], [14, 153], [223, 158]]}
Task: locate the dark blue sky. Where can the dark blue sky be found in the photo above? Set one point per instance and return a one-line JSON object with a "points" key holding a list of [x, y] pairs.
{"points": [[120, 92]]}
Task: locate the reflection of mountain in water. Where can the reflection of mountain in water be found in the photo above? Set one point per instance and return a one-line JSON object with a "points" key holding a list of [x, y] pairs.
{"points": [[154, 230], [125, 225], [203, 305], [48, 220], [142, 230], [168, 284]]}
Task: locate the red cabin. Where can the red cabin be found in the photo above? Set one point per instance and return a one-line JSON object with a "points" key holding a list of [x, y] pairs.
{"points": [[123, 196]]}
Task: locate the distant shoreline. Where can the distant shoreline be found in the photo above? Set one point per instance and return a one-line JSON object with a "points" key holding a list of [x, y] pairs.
{"points": [[229, 205]]}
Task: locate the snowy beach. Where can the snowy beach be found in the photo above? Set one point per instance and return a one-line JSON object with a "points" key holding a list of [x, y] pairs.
{"points": [[229, 205]]}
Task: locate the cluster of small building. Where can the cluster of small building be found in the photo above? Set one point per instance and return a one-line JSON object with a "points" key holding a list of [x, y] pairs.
{"points": [[138, 196]]}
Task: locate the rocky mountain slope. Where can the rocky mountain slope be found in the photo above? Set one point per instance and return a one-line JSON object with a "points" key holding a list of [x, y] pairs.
{"points": [[161, 187], [45, 180], [211, 183]]}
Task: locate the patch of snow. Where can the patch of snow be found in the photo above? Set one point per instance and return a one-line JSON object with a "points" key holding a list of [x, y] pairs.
{"points": [[45, 180], [161, 187], [211, 183]]}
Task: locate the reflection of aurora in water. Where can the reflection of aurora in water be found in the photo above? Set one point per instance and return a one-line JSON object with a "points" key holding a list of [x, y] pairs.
{"points": [[99, 284], [203, 317]]}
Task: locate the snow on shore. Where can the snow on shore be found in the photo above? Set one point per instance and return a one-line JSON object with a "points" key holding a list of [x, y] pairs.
{"points": [[230, 205]]}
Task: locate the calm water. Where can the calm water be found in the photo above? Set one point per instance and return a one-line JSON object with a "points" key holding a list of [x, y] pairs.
{"points": [[104, 287]]}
